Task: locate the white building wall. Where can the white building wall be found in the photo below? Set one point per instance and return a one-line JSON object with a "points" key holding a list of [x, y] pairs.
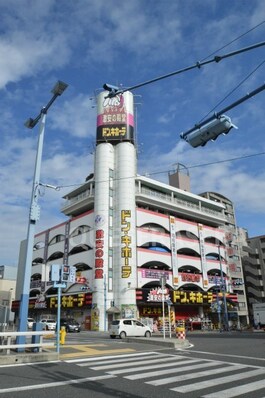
{"points": [[146, 216]]}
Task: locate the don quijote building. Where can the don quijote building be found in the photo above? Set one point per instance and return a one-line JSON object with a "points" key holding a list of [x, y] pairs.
{"points": [[125, 232]]}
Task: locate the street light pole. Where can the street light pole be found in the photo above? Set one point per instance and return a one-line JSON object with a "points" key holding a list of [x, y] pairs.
{"points": [[218, 304], [34, 210], [163, 282], [223, 290]]}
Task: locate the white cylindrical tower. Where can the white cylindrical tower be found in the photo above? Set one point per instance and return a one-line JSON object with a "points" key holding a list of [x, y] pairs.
{"points": [[125, 270], [104, 166], [115, 232]]}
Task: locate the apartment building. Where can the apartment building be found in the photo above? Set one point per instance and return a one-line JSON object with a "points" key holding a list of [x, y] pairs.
{"points": [[136, 243]]}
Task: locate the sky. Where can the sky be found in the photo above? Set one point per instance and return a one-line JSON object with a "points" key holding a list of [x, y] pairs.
{"points": [[87, 43]]}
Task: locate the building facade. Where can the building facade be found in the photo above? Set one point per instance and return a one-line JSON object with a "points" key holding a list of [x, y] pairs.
{"points": [[138, 245], [253, 260], [233, 252], [8, 276]]}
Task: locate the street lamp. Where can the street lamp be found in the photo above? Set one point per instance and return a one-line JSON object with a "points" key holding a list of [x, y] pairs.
{"points": [[34, 213], [163, 283], [223, 290], [218, 302]]}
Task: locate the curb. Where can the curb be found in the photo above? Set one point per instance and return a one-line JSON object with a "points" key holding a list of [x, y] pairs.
{"points": [[31, 357], [177, 344]]}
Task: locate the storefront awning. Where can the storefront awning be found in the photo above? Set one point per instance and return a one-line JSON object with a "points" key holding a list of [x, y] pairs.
{"points": [[113, 310]]}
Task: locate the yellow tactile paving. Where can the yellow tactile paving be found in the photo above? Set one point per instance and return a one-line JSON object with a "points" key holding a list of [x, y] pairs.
{"points": [[87, 350]]}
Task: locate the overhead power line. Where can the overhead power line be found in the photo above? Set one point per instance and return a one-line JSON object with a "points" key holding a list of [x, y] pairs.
{"points": [[113, 90], [167, 171]]}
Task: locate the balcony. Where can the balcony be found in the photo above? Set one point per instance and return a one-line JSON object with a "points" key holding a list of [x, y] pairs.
{"points": [[196, 208], [81, 202]]}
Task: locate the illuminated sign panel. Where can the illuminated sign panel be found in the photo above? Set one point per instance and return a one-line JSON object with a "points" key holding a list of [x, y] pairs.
{"points": [[154, 295], [173, 244], [126, 240], [182, 297], [115, 120], [99, 253], [203, 256]]}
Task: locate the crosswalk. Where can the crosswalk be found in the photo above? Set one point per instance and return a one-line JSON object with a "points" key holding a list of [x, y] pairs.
{"points": [[182, 374]]}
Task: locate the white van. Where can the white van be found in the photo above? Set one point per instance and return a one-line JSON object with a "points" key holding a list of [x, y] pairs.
{"points": [[128, 327]]}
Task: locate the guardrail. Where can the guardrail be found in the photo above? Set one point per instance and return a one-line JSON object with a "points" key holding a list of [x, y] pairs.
{"points": [[7, 338]]}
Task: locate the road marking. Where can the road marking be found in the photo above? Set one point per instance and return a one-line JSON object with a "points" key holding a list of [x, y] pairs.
{"points": [[179, 378], [236, 391], [55, 384], [110, 357], [225, 355], [175, 370], [146, 362], [220, 380], [27, 363], [82, 350], [128, 358], [140, 368]]}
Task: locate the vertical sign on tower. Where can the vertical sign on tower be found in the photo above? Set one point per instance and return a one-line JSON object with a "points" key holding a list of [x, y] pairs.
{"points": [[99, 250], [126, 240], [173, 243], [203, 257]]}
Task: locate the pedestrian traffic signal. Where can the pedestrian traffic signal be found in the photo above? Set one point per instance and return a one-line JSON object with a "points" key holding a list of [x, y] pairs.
{"points": [[65, 273]]}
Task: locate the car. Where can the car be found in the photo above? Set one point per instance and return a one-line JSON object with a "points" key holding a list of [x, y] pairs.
{"points": [[129, 327], [70, 324], [48, 324], [30, 323]]}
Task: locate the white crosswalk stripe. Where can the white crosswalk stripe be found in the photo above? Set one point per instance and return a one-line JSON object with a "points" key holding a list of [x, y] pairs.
{"points": [[143, 362], [191, 376], [141, 368], [237, 391], [152, 367], [176, 369], [122, 360], [221, 380]]}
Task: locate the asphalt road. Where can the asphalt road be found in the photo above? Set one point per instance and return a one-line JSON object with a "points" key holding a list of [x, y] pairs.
{"points": [[216, 366]]}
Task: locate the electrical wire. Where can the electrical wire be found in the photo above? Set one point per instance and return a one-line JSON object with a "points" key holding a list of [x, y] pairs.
{"points": [[168, 171], [247, 77], [237, 38], [232, 91], [211, 163]]}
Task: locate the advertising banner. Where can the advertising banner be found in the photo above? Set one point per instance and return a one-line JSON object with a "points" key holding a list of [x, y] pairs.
{"points": [[115, 120]]}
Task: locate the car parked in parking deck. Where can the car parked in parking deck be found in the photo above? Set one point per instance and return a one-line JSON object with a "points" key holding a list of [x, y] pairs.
{"points": [[129, 327]]}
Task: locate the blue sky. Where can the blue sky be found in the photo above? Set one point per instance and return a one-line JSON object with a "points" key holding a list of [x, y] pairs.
{"points": [[87, 43]]}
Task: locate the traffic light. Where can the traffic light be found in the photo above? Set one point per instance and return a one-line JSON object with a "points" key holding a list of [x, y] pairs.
{"points": [[208, 132], [65, 273], [113, 90]]}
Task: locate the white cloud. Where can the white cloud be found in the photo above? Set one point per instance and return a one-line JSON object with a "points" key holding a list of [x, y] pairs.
{"points": [[76, 117], [86, 42], [235, 180]]}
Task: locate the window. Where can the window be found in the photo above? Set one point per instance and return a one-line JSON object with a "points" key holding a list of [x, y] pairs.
{"points": [[80, 230], [56, 239]]}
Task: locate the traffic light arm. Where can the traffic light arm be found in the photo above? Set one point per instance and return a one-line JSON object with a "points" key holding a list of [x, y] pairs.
{"points": [[113, 91], [218, 114]]}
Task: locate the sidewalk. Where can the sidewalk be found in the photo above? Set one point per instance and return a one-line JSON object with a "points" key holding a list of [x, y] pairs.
{"points": [[51, 355]]}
